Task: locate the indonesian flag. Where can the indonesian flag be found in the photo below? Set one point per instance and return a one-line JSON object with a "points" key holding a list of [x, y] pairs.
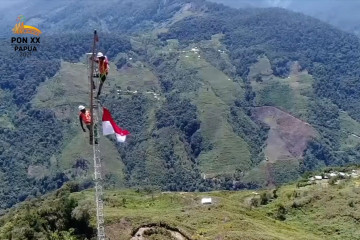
{"points": [[109, 127]]}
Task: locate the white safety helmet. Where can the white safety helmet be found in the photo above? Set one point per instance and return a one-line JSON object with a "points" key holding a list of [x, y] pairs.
{"points": [[100, 54], [81, 107]]}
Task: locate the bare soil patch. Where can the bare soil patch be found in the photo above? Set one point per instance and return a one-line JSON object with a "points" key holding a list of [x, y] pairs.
{"points": [[288, 135]]}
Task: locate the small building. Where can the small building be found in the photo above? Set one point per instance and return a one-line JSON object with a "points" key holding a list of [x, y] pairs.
{"points": [[206, 201], [332, 174], [318, 177]]}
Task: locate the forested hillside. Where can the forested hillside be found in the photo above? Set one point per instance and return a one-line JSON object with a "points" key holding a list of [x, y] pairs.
{"points": [[225, 98], [341, 14]]}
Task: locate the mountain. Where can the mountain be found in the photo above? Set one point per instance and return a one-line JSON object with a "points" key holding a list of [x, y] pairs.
{"points": [[215, 98], [319, 210], [342, 14]]}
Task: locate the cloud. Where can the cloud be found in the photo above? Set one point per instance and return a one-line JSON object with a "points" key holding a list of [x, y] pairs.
{"points": [[279, 3]]}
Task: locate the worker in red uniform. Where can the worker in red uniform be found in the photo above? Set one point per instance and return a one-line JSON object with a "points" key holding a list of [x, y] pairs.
{"points": [[85, 117], [103, 69]]}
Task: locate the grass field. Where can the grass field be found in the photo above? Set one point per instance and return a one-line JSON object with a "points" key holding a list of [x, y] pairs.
{"points": [[262, 68], [217, 93], [319, 211], [5, 122], [350, 136], [291, 93], [230, 217], [138, 77], [79, 148], [230, 152], [72, 82], [311, 212]]}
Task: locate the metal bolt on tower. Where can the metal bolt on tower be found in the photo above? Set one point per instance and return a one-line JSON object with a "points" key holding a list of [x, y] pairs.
{"points": [[94, 106]]}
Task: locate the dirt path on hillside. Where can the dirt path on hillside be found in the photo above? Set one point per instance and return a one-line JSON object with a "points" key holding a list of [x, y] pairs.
{"points": [[145, 231], [139, 235]]}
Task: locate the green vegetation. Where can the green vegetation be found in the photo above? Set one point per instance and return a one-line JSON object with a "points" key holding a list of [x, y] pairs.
{"points": [[56, 217], [228, 151], [39, 121], [350, 132], [317, 211], [247, 41], [209, 67]]}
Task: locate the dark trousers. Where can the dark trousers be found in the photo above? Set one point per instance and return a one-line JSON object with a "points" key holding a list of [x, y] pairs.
{"points": [[91, 133], [102, 80]]}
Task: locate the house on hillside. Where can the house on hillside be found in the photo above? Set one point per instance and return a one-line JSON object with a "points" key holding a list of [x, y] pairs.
{"points": [[333, 174], [195, 50], [206, 201]]}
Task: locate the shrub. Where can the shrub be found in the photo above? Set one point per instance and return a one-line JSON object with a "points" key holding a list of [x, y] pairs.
{"points": [[264, 198], [281, 213]]}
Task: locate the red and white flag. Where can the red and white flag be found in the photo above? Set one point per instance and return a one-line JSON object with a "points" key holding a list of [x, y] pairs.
{"points": [[109, 127]]}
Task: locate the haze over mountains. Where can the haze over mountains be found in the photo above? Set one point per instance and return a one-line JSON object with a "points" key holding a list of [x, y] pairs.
{"points": [[342, 14]]}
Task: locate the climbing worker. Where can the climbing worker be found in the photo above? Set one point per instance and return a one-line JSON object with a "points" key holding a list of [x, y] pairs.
{"points": [[103, 69], [85, 117]]}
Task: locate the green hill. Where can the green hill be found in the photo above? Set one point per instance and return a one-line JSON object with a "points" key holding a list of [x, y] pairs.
{"points": [[326, 209]]}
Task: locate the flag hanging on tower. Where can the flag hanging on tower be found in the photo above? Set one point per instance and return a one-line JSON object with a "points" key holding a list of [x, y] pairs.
{"points": [[110, 127]]}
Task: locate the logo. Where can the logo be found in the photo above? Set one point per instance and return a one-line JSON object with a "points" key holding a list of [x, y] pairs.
{"points": [[25, 45], [20, 18], [20, 28]]}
